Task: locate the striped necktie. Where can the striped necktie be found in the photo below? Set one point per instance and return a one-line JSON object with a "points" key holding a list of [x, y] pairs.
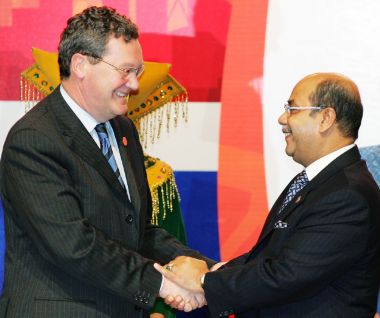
{"points": [[298, 183], [107, 150]]}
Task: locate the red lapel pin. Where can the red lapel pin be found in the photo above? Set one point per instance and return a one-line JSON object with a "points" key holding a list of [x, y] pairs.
{"points": [[125, 141]]}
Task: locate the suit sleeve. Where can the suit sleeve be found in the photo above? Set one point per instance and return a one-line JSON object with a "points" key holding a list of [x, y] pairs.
{"points": [[313, 256], [37, 188]]}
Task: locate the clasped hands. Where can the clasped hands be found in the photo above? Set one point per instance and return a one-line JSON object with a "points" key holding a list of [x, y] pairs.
{"points": [[182, 288]]}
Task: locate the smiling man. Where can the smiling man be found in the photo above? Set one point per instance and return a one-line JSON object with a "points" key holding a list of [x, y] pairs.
{"points": [[318, 255], [76, 199]]}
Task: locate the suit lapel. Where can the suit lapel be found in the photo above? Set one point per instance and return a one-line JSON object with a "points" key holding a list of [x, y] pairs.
{"points": [[80, 141], [127, 160], [273, 215]]}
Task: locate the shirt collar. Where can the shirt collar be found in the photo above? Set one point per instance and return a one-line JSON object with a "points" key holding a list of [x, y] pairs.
{"points": [[318, 165], [86, 119]]}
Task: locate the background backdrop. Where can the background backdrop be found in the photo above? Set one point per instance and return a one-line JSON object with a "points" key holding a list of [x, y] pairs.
{"points": [[239, 60]]}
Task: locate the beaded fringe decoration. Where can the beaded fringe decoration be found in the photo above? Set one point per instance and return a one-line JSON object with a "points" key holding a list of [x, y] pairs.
{"points": [[30, 95], [164, 106], [150, 126], [164, 196], [162, 187]]}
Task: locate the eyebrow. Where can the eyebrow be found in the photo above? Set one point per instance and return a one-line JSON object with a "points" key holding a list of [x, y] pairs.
{"points": [[290, 102], [124, 65], [130, 65]]}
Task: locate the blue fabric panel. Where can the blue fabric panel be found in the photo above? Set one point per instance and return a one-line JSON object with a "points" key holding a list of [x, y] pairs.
{"points": [[198, 191], [372, 156], [199, 209]]}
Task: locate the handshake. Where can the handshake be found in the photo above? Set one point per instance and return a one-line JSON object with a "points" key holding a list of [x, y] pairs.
{"points": [[182, 282]]}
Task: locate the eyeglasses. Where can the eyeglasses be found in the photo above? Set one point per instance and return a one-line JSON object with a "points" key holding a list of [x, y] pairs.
{"points": [[288, 108], [124, 71]]}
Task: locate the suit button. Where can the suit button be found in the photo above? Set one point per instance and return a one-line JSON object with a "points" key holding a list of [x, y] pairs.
{"points": [[129, 219]]}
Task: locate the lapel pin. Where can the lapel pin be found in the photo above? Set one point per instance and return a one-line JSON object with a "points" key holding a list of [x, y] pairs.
{"points": [[280, 225], [125, 141], [298, 199]]}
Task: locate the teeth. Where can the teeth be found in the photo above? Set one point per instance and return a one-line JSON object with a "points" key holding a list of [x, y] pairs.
{"points": [[120, 94]]}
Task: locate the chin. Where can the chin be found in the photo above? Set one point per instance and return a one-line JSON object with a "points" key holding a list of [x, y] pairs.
{"points": [[299, 161], [288, 152], [121, 109]]}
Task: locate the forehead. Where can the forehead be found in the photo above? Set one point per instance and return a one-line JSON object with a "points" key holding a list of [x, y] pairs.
{"points": [[119, 49], [302, 91]]}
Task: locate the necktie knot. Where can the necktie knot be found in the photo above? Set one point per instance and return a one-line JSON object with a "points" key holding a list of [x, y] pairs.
{"points": [[101, 128], [105, 145], [298, 183], [301, 180]]}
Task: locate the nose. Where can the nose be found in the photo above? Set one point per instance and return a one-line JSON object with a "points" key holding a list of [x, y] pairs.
{"points": [[132, 81], [283, 119]]}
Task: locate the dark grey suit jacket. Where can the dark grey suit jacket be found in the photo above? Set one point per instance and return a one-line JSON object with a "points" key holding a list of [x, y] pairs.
{"points": [[318, 258], [76, 246]]}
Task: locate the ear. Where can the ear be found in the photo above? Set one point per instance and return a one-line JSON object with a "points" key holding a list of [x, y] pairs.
{"points": [[328, 119], [79, 65]]}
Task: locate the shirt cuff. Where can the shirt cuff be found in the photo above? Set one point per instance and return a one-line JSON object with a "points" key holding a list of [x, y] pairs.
{"points": [[162, 282], [203, 279]]}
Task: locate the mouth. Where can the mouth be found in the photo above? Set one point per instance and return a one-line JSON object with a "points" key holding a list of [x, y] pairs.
{"points": [[287, 132], [122, 94]]}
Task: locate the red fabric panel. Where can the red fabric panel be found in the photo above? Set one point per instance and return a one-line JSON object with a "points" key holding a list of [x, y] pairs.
{"points": [[242, 201]]}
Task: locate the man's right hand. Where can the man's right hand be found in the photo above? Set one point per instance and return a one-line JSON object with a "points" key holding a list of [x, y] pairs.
{"points": [[180, 298]]}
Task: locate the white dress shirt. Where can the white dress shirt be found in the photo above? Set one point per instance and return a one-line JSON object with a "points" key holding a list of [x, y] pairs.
{"points": [[317, 166]]}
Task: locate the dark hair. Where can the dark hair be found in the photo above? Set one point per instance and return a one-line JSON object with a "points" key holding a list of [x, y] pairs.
{"points": [[89, 32], [344, 98]]}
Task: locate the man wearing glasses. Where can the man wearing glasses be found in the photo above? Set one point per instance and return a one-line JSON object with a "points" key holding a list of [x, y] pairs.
{"points": [[318, 255], [75, 193]]}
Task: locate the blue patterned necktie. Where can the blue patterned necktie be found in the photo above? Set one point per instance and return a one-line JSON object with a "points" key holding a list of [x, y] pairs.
{"points": [[107, 150], [298, 183]]}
